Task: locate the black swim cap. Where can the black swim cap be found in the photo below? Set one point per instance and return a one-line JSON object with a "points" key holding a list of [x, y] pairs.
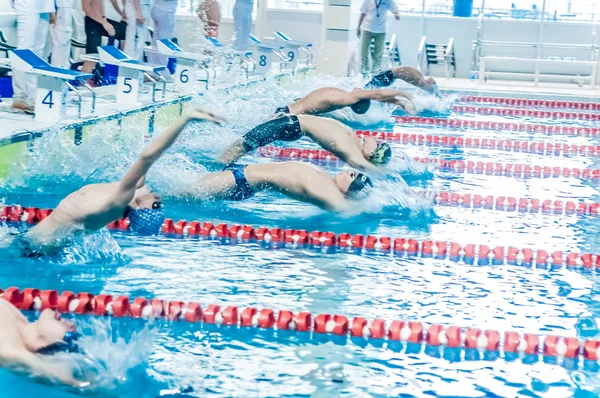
{"points": [[357, 186], [382, 154], [67, 345], [361, 107]]}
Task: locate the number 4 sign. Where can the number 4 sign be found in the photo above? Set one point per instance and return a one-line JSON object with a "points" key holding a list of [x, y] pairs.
{"points": [[50, 99]]}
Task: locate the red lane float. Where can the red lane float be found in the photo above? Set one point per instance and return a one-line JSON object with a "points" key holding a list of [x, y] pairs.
{"points": [[460, 124], [539, 148], [485, 110], [469, 253], [510, 203], [434, 335], [551, 104]]}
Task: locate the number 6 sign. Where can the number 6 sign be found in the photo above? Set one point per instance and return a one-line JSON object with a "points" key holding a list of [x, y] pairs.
{"points": [[186, 75]]}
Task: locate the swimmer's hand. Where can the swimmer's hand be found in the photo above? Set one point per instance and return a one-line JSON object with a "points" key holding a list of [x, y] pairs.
{"points": [[406, 102], [204, 114]]}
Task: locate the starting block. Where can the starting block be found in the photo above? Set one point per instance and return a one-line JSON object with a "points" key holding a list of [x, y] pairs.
{"points": [[265, 54], [186, 70], [52, 82], [293, 48], [131, 74]]}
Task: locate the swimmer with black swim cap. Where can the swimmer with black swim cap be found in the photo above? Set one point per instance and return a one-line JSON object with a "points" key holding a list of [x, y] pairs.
{"points": [[365, 154], [94, 206], [29, 346], [329, 99], [297, 180]]}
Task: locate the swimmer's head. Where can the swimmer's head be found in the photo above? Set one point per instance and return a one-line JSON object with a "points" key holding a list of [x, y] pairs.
{"points": [[376, 151], [145, 212], [430, 85], [352, 183], [361, 107], [51, 331]]}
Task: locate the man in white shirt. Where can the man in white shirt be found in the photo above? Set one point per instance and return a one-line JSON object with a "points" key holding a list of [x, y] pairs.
{"points": [[374, 16], [33, 19], [138, 17]]}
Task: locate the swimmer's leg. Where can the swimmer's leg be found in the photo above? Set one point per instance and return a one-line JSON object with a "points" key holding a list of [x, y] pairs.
{"points": [[384, 79], [285, 128]]}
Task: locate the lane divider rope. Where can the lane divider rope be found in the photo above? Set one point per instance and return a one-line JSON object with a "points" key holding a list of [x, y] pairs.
{"points": [[515, 170], [539, 148], [552, 104], [475, 254], [459, 124], [436, 335], [485, 110]]}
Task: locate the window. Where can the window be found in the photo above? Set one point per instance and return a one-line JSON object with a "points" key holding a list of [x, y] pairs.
{"points": [[308, 5], [189, 7]]}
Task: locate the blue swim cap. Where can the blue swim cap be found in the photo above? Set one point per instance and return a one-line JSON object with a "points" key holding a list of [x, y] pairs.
{"points": [[146, 221]]}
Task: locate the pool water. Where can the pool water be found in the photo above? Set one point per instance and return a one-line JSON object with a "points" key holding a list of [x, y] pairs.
{"points": [[135, 358]]}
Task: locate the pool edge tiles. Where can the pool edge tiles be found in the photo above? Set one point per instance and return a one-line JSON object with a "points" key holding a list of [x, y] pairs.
{"points": [[15, 147]]}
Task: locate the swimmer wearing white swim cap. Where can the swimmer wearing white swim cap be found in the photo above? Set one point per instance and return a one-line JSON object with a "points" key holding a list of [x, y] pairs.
{"points": [[329, 99], [94, 206], [365, 154]]}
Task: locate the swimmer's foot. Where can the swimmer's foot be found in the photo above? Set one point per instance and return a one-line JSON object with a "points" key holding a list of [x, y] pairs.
{"points": [[22, 106]]}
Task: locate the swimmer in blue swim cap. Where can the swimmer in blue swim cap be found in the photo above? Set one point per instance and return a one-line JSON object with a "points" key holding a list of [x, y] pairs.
{"points": [[29, 346], [94, 206], [329, 99], [366, 154], [406, 73]]}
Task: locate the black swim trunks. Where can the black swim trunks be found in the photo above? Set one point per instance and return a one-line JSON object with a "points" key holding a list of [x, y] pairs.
{"points": [[24, 247], [281, 111], [284, 128], [384, 79], [94, 32], [242, 190]]}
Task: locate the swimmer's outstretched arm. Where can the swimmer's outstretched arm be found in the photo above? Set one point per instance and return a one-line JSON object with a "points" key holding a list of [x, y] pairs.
{"points": [[38, 366], [153, 152], [399, 98]]}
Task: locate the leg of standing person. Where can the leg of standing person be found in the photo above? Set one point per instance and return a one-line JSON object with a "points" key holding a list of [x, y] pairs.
{"points": [[26, 37], [62, 31], [365, 51], [163, 14], [142, 33], [242, 15], [378, 45], [131, 29]]}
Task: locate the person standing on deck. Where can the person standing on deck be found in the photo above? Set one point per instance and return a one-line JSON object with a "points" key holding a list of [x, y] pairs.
{"points": [[242, 16], [374, 16], [163, 15], [33, 19], [61, 30], [138, 17], [209, 12]]}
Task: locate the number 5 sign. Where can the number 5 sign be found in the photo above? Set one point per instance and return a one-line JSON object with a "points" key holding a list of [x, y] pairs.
{"points": [[129, 82]]}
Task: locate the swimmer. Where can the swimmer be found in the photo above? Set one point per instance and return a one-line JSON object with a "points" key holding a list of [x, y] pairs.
{"points": [[329, 99], [297, 180], [94, 206], [27, 346], [365, 154], [405, 73]]}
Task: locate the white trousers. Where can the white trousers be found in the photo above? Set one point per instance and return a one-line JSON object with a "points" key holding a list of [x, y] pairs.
{"points": [[163, 14], [242, 17], [32, 31], [61, 32], [136, 35]]}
